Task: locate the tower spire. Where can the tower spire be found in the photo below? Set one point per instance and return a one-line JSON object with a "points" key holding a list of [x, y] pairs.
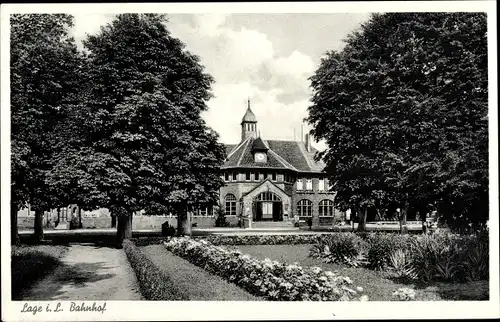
{"points": [[248, 123]]}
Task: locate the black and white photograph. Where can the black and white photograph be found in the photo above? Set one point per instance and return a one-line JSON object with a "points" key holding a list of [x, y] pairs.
{"points": [[247, 161]]}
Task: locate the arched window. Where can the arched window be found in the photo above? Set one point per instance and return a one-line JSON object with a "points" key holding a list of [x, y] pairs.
{"points": [[230, 203], [268, 196], [326, 208], [304, 208]]}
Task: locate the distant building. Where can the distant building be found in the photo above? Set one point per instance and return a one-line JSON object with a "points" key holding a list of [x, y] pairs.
{"points": [[275, 181]]}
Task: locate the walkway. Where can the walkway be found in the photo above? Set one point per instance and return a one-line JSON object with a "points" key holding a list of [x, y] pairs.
{"points": [[88, 273]]}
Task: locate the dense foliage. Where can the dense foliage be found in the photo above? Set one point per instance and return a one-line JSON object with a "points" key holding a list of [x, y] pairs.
{"points": [[403, 108]]}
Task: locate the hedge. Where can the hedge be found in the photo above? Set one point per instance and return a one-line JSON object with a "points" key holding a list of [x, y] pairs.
{"points": [[295, 239], [154, 284]]}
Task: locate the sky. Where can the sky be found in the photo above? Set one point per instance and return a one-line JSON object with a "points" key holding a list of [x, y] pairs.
{"points": [[266, 58]]}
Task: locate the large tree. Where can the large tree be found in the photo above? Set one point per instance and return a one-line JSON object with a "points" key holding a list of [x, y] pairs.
{"points": [[44, 65], [145, 145], [408, 93]]}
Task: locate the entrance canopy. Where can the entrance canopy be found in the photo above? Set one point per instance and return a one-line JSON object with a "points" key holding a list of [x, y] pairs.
{"points": [[269, 196]]}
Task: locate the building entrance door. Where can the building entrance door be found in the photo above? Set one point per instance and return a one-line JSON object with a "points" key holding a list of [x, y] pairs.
{"points": [[269, 207]]}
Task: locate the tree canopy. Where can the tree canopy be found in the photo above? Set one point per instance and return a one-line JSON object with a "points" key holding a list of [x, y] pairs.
{"points": [[403, 109], [142, 144], [44, 67]]}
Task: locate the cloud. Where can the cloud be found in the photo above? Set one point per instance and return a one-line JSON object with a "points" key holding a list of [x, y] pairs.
{"points": [[244, 64], [256, 56], [88, 24]]}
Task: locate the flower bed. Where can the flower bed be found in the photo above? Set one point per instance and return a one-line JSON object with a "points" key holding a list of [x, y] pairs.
{"points": [[296, 239], [269, 279]]}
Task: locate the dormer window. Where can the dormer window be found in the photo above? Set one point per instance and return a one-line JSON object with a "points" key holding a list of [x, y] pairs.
{"points": [[259, 150]]}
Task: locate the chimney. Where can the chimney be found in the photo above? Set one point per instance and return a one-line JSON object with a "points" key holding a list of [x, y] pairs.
{"points": [[308, 143]]}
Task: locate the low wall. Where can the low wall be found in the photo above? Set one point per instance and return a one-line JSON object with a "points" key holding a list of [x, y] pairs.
{"points": [[100, 220], [26, 222]]}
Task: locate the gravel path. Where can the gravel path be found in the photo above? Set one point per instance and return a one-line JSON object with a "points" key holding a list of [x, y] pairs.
{"points": [[88, 272]]}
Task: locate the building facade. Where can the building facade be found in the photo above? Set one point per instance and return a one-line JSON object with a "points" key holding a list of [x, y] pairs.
{"points": [[275, 181]]}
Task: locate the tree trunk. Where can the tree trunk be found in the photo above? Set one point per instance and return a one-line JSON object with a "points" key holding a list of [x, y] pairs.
{"points": [[113, 221], [14, 235], [423, 216], [183, 222], [362, 214], [38, 236], [80, 225], [124, 229], [403, 228]]}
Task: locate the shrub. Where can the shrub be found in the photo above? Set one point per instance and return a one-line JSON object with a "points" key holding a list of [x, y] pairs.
{"points": [[270, 279], [220, 220], [74, 223], [400, 261], [380, 247], [29, 264], [476, 264], [439, 256], [339, 248], [154, 284], [167, 229]]}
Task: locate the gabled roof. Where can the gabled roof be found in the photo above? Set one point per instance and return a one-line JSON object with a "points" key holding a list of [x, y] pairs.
{"points": [[291, 155]]}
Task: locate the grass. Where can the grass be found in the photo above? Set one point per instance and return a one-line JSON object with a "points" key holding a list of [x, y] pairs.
{"points": [[196, 283], [378, 285], [30, 263]]}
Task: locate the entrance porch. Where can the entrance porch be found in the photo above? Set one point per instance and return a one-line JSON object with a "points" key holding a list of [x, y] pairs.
{"points": [[267, 205]]}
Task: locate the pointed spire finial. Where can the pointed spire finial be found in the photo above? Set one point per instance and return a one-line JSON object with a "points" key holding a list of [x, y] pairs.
{"points": [[248, 102]]}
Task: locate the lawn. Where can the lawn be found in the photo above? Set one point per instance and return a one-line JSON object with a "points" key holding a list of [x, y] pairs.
{"points": [[196, 283], [30, 263], [378, 285]]}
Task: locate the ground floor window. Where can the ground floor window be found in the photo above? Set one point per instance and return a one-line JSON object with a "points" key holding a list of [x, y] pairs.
{"points": [[326, 208], [230, 205], [203, 211], [304, 208]]}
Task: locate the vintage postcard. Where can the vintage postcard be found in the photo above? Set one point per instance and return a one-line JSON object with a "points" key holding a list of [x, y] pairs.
{"points": [[247, 161]]}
